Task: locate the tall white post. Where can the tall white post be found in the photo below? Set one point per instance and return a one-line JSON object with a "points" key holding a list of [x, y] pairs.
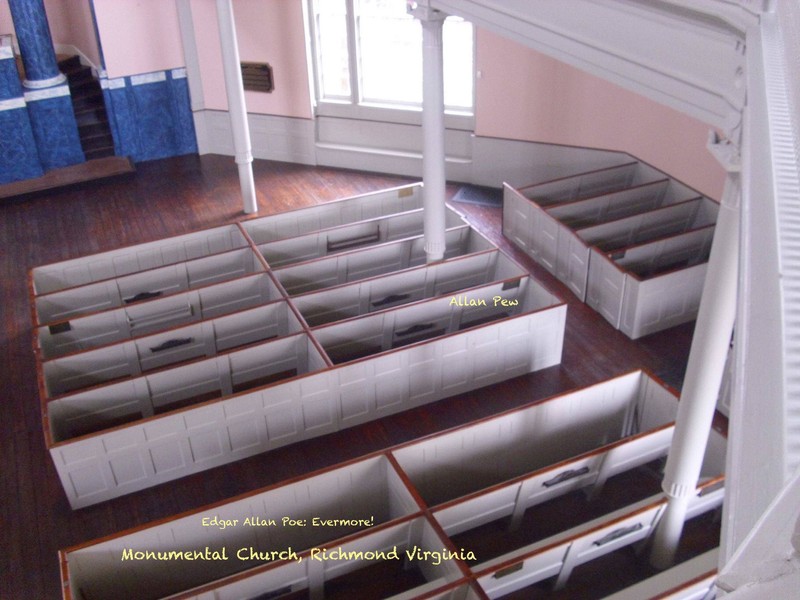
{"points": [[433, 157], [707, 356], [236, 106]]}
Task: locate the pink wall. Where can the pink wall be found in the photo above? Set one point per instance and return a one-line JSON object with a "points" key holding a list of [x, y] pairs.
{"points": [[6, 26], [71, 23], [139, 36], [522, 94], [269, 31]]}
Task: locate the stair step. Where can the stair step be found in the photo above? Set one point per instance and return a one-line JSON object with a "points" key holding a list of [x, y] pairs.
{"points": [[93, 129], [68, 65], [80, 76], [94, 142], [91, 116], [89, 108], [91, 170], [99, 153]]}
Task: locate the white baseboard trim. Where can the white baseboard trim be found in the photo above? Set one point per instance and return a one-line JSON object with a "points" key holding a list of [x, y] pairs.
{"points": [[272, 138], [361, 146]]}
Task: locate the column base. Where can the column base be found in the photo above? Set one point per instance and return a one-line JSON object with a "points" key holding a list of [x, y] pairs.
{"points": [[54, 127]]}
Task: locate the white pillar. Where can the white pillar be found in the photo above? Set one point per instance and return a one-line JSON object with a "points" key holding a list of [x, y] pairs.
{"points": [[433, 157], [704, 372], [236, 105]]}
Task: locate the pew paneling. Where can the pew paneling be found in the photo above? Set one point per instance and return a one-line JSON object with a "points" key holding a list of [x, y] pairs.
{"points": [[368, 491], [566, 232], [585, 185], [520, 442], [203, 339], [197, 356], [115, 325], [310, 400], [696, 575], [297, 222], [349, 237], [650, 286], [124, 261], [557, 556], [379, 488], [382, 259], [572, 254], [145, 285], [411, 285]]}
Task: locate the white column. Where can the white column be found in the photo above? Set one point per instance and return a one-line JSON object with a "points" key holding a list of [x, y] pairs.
{"points": [[704, 373], [236, 105], [433, 157]]}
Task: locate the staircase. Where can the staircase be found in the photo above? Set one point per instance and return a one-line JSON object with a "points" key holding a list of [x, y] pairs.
{"points": [[89, 107]]}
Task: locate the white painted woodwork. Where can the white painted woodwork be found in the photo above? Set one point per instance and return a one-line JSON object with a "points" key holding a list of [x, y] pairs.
{"points": [[169, 370], [582, 227], [634, 407], [131, 321]]}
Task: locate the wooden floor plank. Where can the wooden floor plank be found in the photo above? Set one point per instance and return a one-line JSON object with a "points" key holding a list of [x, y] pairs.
{"points": [[181, 195]]}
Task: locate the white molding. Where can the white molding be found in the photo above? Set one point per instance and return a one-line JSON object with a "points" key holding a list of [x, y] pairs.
{"points": [[632, 44], [12, 103], [47, 93], [6, 52], [273, 137], [145, 78], [350, 144]]}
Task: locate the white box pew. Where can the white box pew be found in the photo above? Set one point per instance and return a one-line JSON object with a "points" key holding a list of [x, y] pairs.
{"points": [[362, 495], [115, 325], [382, 259], [624, 203], [417, 322], [349, 237], [132, 259], [591, 183], [126, 452], [649, 226], [697, 576], [652, 286], [529, 339], [332, 214], [573, 251], [102, 407], [521, 442], [202, 339], [410, 285], [384, 548], [558, 555], [145, 285]]}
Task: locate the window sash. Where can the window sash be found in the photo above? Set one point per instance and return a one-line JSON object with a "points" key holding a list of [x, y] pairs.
{"points": [[348, 97]]}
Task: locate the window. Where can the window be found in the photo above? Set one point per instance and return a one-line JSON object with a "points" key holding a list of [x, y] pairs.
{"points": [[369, 56]]}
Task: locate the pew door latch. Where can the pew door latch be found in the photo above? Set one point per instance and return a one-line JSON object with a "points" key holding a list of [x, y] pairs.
{"points": [[565, 476], [616, 534]]}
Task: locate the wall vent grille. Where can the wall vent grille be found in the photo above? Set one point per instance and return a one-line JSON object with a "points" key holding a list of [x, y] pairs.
{"points": [[257, 77]]}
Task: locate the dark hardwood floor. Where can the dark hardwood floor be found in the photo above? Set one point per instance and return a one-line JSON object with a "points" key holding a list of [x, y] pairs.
{"points": [[177, 196]]}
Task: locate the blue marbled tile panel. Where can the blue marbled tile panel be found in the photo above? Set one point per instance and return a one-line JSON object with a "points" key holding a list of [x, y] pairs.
{"points": [[10, 86], [33, 36], [151, 116], [185, 137], [19, 158], [56, 132]]}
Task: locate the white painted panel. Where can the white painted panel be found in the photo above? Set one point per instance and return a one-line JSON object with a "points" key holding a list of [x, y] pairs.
{"points": [[605, 288], [331, 214], [534, 569], [116, 263]]}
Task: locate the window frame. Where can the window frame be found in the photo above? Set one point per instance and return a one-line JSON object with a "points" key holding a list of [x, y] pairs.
{"points": [[353, 108]]}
